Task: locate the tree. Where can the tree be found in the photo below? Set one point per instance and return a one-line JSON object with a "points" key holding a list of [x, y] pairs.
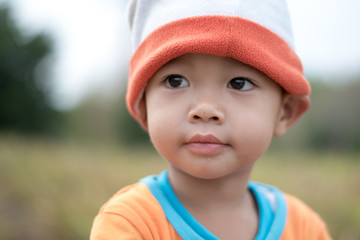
{"points": [[24, 105]]}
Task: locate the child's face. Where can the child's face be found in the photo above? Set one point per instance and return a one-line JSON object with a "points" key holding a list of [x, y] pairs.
{"points": [[211, 116]]}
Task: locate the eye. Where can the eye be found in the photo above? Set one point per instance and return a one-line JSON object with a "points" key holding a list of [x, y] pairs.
{"points": [[176, 81], [240, 84]]}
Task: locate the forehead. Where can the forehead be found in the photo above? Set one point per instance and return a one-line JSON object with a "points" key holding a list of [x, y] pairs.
{"points": [[194, 59], [211, 64], [214, 65]]}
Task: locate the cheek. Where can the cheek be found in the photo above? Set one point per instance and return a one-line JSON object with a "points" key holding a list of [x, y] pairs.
{"points": [[164, 121], [261, 133], [254, 137], [162, 114], [163, 132], [254, 129]]}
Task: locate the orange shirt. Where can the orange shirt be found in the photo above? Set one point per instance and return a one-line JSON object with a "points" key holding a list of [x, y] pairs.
{"points": [[134, 213]]}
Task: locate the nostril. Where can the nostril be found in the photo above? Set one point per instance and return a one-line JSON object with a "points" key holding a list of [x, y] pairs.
{"points": [[214, 118], [206, 113]]}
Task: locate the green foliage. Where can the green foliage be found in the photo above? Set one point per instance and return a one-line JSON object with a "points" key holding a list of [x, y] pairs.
{"points": [[130, 132], [103, 121], [335, 115], [93, 120], [332, 122], [24, 105]]}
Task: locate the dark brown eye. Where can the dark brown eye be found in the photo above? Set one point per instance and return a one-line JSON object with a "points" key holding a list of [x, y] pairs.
{"points": [[176, 81], [240, 84]]}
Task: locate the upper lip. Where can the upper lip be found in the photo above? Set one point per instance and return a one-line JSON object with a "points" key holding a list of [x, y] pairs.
{"points": [[209, 138]]}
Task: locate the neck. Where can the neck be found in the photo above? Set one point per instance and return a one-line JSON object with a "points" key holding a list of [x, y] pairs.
{"points": [[217, 202], [229, 191]]}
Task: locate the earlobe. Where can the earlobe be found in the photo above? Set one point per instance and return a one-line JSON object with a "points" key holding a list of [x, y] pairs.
{"points": [[292, 108]]}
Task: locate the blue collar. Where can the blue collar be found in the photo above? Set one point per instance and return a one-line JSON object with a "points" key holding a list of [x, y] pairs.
{"points": [[270, 202]]}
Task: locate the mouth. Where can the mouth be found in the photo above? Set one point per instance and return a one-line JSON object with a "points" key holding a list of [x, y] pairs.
{"points": [[207, 145]]}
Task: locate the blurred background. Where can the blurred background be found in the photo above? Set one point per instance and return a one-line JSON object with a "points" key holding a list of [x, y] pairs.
{"points": [[67, 142]]}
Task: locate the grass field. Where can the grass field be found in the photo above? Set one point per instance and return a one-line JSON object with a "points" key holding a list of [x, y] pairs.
{"points": [[53, 190]]}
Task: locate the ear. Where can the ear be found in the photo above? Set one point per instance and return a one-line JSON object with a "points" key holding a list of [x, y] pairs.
{"points": [[143, 113], [292, 107]]}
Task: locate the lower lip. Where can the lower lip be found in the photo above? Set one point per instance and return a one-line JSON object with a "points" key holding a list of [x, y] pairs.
{"points": [[206, 148]]}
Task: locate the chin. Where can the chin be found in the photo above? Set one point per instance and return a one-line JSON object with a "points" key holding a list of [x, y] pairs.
{"points": [[208, 174]]}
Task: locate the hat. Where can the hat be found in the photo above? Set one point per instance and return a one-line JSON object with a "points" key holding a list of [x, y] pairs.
{"points": [[255, 32]]}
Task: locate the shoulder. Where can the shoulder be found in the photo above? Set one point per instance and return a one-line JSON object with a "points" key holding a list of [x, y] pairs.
{"points": [[300, 213], [302, 222], [131, 199], [132, 213]]}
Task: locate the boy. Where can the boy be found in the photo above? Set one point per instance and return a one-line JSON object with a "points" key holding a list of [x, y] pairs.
{"points": [[211, 82]]}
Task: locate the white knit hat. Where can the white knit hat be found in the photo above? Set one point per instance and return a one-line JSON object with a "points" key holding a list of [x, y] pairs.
{"points": [[255, 32]]}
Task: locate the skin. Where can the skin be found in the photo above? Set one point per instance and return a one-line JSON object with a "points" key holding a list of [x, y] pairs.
{"points": [[212, 118]]}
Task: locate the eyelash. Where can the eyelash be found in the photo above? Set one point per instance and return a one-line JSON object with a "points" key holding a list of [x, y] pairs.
{"points": [[243, 84], [178, 81]]}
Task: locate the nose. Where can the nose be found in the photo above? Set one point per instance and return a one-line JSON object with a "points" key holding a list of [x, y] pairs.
{"points": [[205, 112]]}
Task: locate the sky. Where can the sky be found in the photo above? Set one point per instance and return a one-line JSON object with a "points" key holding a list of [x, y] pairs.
{"points": [[92, 46]]}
